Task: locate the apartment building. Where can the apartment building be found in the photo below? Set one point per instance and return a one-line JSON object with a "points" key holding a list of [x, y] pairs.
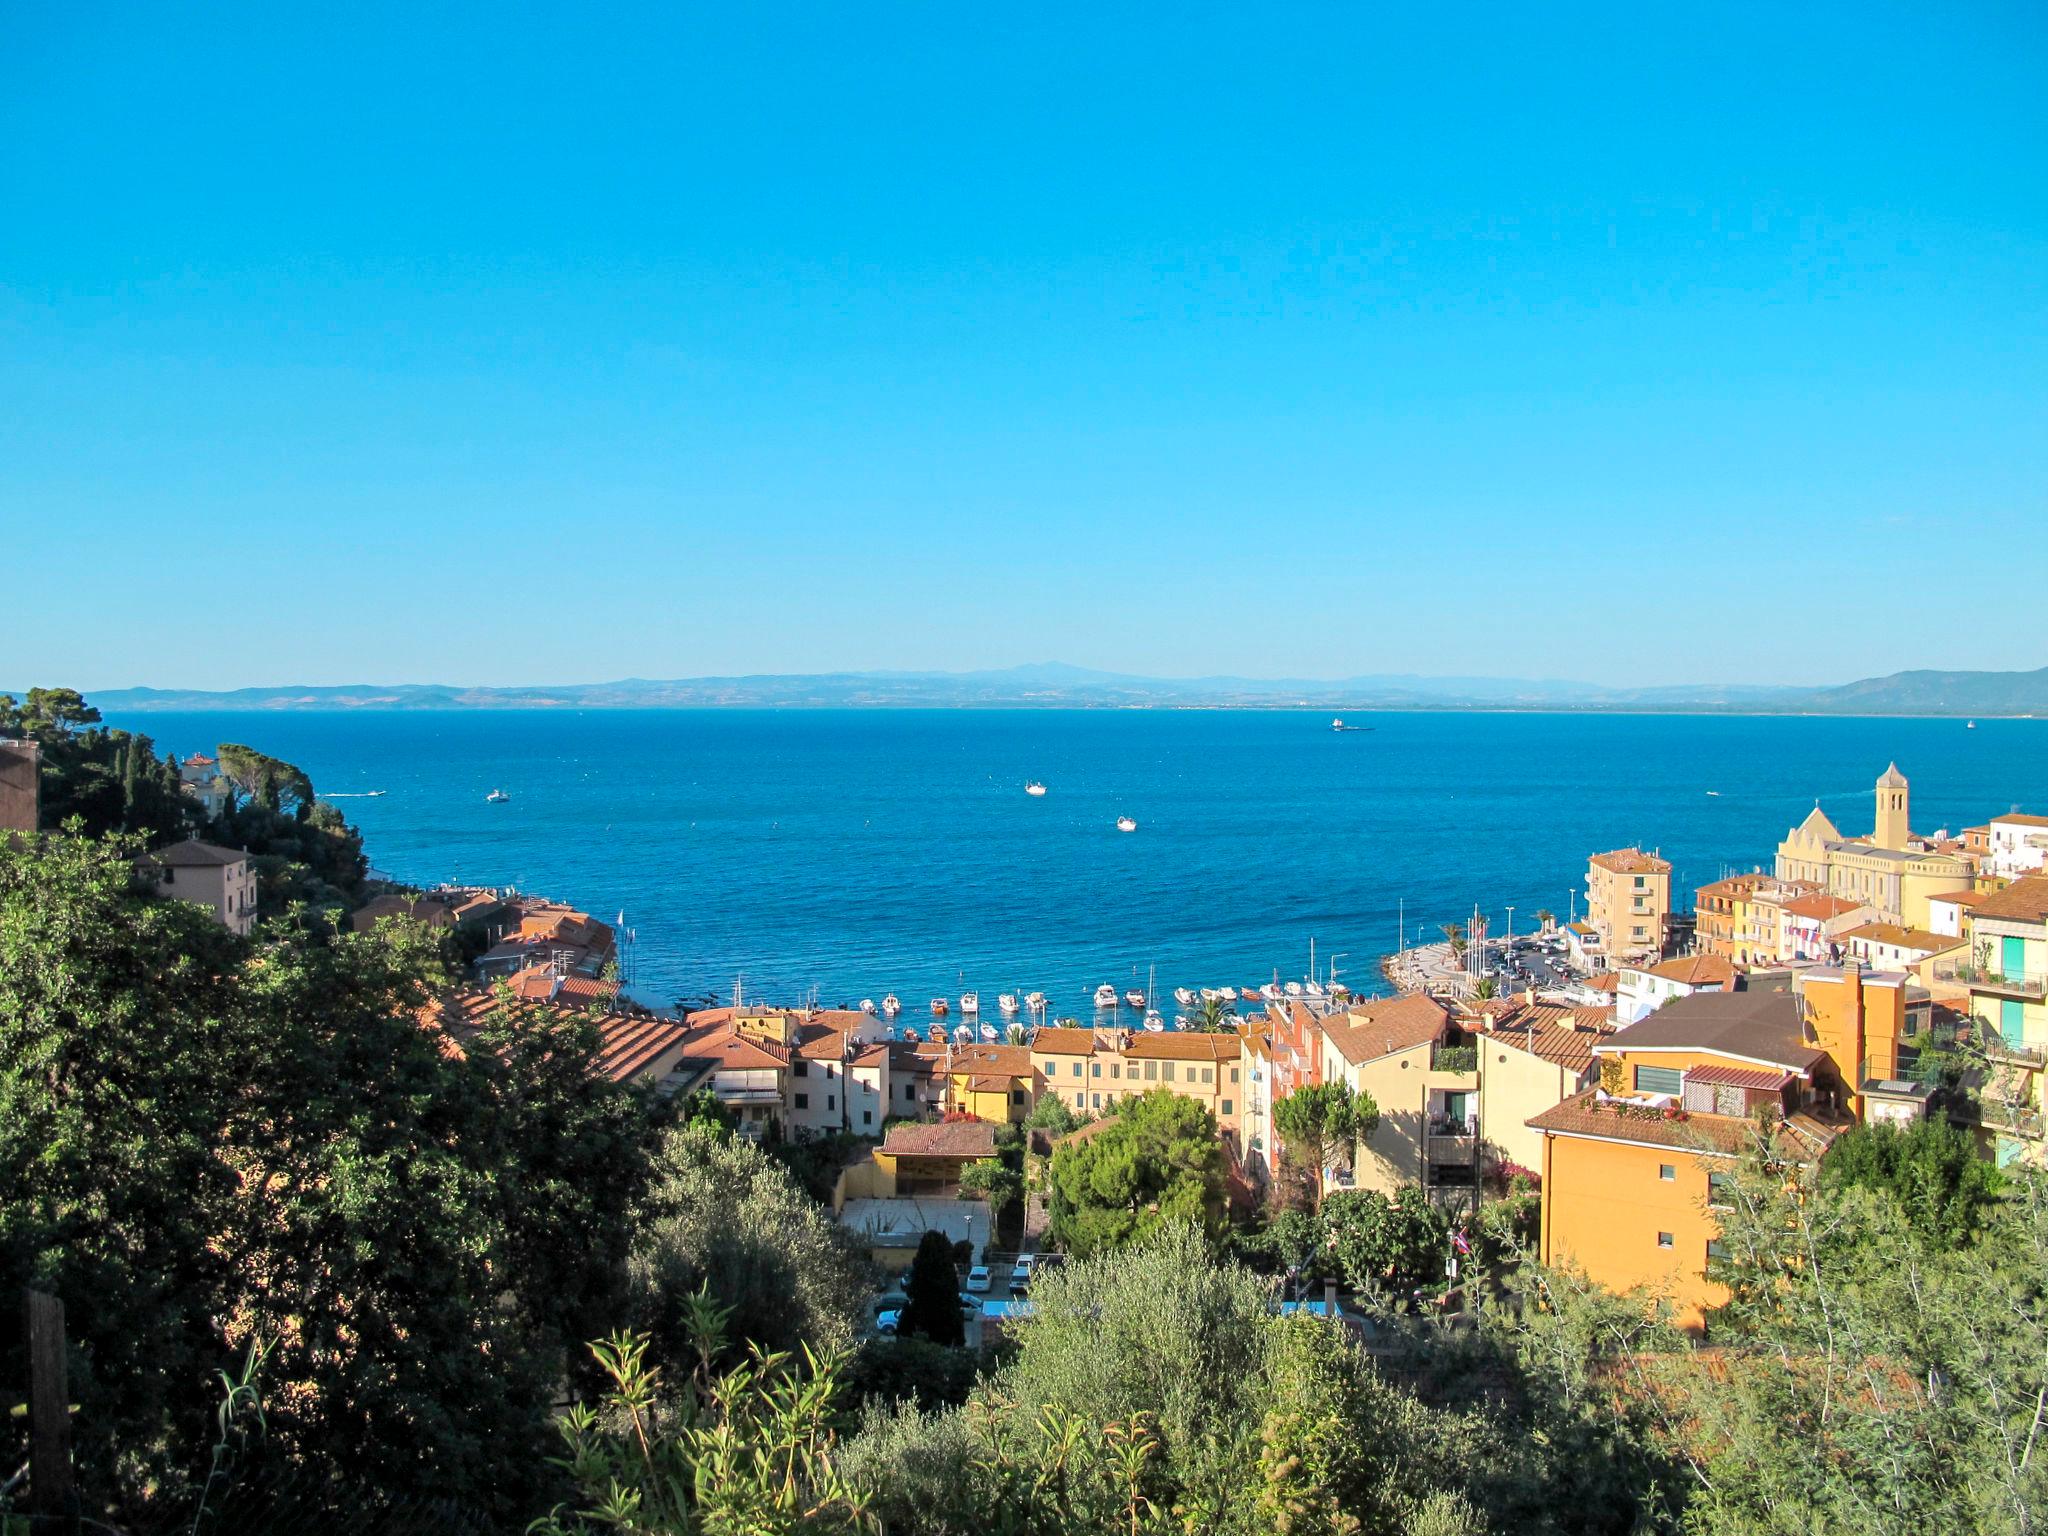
{"points": [[1628, 904]]}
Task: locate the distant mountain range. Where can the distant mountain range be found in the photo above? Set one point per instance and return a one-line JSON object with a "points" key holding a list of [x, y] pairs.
{"points": [[1054, 685]]}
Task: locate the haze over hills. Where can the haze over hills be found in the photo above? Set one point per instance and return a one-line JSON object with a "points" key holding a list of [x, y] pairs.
{"points": [[1056, 685]]}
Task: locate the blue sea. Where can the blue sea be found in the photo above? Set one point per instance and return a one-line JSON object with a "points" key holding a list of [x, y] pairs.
{"points": [[851, 853]]}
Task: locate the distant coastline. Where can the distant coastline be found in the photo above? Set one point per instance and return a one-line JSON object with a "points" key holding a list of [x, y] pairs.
{"points": [[1923, 694]]}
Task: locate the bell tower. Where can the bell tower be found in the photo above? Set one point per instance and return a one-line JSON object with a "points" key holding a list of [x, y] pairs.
{"points": [[1894, 823]]}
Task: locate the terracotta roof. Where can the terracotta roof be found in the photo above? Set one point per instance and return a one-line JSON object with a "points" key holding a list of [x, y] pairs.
{"points": [[1757, 1026], [983, 1082], [1902, 938], [1009, 1060], [874, 1055], [1716, 1075], [729, 1051], [2019, 819], [1057, 1040], [947, 1138], [193, 854], [1631, 861], [1959, 898], [2022, 901], [1695, 970], [1584, 1114], [629, 1043], [1603, 981], [539, 984], [1183, 1046], [1381, 1026], [1565, 1036]]}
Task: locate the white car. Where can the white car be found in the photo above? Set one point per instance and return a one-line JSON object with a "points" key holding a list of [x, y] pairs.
{"points": [[1021, 1273], [978, 1279]]}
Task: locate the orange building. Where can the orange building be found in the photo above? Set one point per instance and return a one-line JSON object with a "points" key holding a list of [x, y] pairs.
{"points": [[1630, 1166]]}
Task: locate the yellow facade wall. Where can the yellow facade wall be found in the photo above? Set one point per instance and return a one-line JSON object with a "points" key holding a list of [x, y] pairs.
{"points": [[1605, 1204]]}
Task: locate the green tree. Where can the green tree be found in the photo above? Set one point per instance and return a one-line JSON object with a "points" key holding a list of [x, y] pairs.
{"points": [[207, 1141], [1932, 1170], [1156, 1161], [1454, 935], [719, 1213], [269, 782], [105, 780], [1396, 1245], [1486, 989], [1052, 1115], [1321, 1122], [992, 1180], [1214, 1016], [931, 1294]]}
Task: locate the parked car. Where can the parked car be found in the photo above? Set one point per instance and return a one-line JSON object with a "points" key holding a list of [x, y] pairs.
{"points": [[978, 1278], [1020, 1274]]}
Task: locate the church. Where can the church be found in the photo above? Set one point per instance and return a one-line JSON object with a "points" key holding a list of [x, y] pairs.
{"points": [[1890, 870]]}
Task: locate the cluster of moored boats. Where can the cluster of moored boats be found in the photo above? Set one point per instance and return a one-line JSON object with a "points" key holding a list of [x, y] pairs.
{"points": [[1033, 1005]]}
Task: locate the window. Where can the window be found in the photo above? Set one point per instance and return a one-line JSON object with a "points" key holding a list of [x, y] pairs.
{"points": [[1659, 1080], [1665, 1240], [831, 1101], [1166, 1071], [1151, 1070], [1077, 1069], [803, 1101], [1208, 1074], [1226, 1106], [1666, 1172], [1098, 1101], [1116, 1069], [867, 1117], [1720, 1188], [1716, 1249], [1016, 1095], [1098, 1068], [909, 1092], [1233, 1074], [800, 1069], [1077, 1101]]}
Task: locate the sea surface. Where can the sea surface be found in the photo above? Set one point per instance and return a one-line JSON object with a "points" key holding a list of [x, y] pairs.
{"points": [[845, 854]]}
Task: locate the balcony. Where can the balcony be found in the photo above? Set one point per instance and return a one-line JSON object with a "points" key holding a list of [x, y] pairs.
{"points": [[2032, 986], [1999, 1050], [1451, 1141]]}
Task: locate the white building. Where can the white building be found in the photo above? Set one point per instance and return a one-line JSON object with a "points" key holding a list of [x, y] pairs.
{"points": [[2019, 845]]}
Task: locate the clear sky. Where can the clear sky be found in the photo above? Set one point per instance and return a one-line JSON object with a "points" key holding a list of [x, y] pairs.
{"points": [[502, 344]]}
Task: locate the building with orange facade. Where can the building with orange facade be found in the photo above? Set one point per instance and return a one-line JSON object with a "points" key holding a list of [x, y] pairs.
{"points": [[1628, 905], [1632, 1165]]}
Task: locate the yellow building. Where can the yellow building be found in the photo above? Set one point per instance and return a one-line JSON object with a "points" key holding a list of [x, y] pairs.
{"points": [[1891, 870], [997, 1083], [1090, 1069], [1630, 1166], [1403, 1052], [1628, 905]]}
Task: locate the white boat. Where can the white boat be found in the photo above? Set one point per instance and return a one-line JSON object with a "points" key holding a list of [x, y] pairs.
{"points": [[891, 1006], [940, 1007], [1292, 989], [1008, 1003], [910, 1033], [1971, 726], [1315, 989], [1154, 1023], [1126, 824], [1135, 998], [1184, 997], [962, 1035], [1035, 1001], [970, 1002], [1034, 788], [867, 1005], [1271, 993], [496, 797], [988, 1033], [1337, 724], [1105, 996]]}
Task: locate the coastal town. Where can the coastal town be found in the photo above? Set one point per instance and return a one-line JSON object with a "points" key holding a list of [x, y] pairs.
{"points": [[1609, 1065]]}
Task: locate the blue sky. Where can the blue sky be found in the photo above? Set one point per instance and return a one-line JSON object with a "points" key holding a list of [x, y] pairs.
{"points": [[524, 344]]}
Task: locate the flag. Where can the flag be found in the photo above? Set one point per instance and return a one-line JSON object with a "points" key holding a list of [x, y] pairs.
{"points": [[1458, 1242]]}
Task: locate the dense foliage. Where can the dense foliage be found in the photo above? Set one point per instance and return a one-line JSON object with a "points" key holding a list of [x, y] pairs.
{"points": [[1319, 1125], [1155, 1161], [104, 779], [208, 1141]]}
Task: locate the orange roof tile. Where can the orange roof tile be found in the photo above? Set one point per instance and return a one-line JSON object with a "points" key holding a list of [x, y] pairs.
{"points": [[2023, 901], [1631, 861], [946, 1138], [1381, 1026]]}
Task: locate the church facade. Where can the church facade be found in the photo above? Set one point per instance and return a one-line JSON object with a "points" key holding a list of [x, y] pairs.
{"points": [[1890, 870]]}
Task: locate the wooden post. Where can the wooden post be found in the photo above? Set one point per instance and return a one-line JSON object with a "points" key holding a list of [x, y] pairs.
{"points": [[49, 1412]]}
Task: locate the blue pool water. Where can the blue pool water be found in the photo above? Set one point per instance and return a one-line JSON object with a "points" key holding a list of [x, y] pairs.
{"points": [[862, 852]]}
